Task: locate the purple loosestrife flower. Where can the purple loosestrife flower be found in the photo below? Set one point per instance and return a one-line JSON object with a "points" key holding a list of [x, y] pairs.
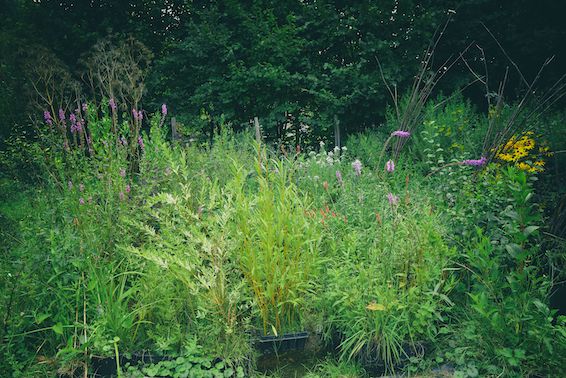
{"points": [[135, 114], [390, 166], [112, 104], [79, 125], [81, 201], [401, 134], [357, 166], [140, 115], [128, 188], [475, 163], [85, 107], [73, 120], [140, 142], [393, 199], [47, 117], [339, 177], [164, 110], [61, 114]]}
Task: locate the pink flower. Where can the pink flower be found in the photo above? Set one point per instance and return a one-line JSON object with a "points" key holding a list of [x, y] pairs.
{"points": [[475, 163], [390, 166], [140, 142], [357, 166], [393, 199], [47, 117], [401, 134], [112, 104], [164, 109], [339, 177], [61, 114], [81, 201], [128, 188]]}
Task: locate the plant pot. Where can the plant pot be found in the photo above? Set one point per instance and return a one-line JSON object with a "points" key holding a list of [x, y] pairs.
{"points": [[282, 343], [106, 366]]}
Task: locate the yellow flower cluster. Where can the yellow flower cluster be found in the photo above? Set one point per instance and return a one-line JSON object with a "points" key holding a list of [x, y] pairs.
{"points": [[524, 152]]}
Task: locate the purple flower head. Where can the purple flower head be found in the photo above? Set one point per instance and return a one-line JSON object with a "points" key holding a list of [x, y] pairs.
{"points": [[79, 125], [393, 199], [475, 163], [85, 107], [61, 114], [339, 177], [140, 115], [81, 201], [401, 134], [164, 110], [140, 142], [357, 166], [112, 104], [128, 188], [70, 185], [390, 166], [47, 117], [81, 187], [122, 196], [135, 114], [122, 172], [73, 120]]}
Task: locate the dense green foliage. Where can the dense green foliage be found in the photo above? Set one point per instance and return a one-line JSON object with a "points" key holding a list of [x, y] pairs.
{"points": [[426, 240]]}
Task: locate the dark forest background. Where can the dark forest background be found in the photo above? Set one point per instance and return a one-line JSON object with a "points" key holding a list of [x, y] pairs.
{"points": [[233, 60]]}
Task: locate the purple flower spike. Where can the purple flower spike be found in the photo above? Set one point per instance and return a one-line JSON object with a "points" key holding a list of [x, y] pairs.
{"points": [[393, 199], [85, 107], [140, 142], [81, 201], [112, 104], [135, 114], [140, 115], [164, 110], [357, 166], [61, 114], [47, 117], [475, 163], [401, 134], [390, 166], [128, 188], [339, 177]]}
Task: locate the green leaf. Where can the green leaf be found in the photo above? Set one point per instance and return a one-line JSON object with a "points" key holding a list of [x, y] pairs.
{"points": [[58, 328]]}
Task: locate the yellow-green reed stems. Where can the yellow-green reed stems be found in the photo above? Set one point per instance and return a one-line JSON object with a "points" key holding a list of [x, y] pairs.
{"points": [[277, 244]]}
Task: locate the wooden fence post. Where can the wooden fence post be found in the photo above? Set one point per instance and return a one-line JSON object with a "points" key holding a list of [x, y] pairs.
{"points": [[257, 130], [337, 132], [174, 133]]}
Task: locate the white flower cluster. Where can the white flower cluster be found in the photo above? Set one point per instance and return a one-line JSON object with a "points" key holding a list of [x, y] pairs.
{"points": [[324, 158]]}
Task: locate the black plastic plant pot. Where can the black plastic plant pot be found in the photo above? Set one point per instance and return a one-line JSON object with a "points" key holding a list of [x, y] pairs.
{"points": [[283, 343], [106, 366]]}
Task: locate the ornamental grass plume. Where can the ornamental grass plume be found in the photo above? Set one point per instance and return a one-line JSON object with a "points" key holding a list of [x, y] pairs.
{"points": [[390, 166], [357, 166]]}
